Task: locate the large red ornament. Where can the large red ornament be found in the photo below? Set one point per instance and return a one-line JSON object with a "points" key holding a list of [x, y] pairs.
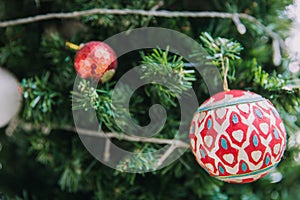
{"points": [[237, 136], [96, 60]]}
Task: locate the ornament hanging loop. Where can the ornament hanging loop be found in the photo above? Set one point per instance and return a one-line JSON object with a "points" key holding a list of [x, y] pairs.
{"points": [[225, 68], [72, 46]]}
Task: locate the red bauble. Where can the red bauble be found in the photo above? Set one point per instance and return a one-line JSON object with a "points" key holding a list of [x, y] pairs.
{"points": [[237, 136], [96, 60]]}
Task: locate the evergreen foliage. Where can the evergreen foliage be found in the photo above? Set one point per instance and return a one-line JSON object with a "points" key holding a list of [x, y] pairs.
{"points": [[39, 164]]}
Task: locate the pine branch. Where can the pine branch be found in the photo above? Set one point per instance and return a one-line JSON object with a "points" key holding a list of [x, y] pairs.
{"points": [[150, 13], [174, 143], [170, 150], [109, 135], [130, 138]]}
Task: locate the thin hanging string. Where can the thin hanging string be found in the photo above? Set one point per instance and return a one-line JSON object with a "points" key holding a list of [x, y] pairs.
{"points": [[225, 68]]}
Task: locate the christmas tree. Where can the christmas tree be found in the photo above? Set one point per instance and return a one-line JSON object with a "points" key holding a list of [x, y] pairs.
{"points": [[97, 97]]}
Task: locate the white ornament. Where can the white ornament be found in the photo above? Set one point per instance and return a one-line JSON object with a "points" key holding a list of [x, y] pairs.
{"points": [[10, 97]]}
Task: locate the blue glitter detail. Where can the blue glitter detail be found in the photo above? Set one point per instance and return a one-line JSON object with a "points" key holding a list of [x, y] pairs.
{"points": [[202, 153], [224, 144], [209, 123], [221, 170], [255, 141], [192, 128], [276, 134], [267, 160], [244, 167], [258, 113], [235, 119]]}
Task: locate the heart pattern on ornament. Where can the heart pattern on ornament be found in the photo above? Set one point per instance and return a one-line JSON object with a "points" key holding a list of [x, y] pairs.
{"points": [[208, 140], [238, 135], [221, 112], [229, 158], [244, 107], [256, 155], [264, 128]]}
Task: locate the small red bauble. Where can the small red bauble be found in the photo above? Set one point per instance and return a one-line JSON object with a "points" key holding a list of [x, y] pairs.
{"points": [[96, 60], [237, 136]]}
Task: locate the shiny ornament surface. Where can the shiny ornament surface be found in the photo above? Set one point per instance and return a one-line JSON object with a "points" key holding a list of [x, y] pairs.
{"points": [[96, 60], [237, 136], [10, 97]]}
